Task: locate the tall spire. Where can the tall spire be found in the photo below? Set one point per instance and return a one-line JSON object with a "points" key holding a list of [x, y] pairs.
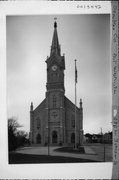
{"points": [[55, 47]]}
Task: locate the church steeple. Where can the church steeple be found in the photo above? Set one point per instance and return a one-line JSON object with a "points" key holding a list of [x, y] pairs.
{"points": [[55, 47], [55, 64]]}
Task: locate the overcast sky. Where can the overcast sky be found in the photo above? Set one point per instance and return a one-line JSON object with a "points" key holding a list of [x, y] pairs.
{"points": [[82, 37]]}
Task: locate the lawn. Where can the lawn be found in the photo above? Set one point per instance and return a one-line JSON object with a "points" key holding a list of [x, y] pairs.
{"points": [[80, 150], [19, 158]]}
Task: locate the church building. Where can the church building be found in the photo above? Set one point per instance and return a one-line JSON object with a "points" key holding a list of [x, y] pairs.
{"points": [[53, 120]]}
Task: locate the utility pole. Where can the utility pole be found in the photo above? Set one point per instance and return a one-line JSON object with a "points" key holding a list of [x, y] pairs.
{"points": [[101, 130], [104, 150], [103, 141]]}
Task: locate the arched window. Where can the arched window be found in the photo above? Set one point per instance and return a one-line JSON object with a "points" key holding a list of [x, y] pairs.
{"points": [[51, 78], [73, 138], [38, 139], [54, 76], [38, 123], [72, 121], [54, 137], [54, 101]]}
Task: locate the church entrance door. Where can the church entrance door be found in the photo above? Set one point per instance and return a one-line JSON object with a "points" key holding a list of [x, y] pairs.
{"points": [[38, 139], [54, 137]]}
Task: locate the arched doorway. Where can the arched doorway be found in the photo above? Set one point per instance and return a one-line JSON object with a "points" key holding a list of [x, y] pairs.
{"points": [[73, 138], [38, 139], [54, 137]]}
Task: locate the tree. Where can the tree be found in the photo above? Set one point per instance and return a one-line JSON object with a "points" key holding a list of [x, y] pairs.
{"points": [[16, 138], [89, 137], [22, 138], [13, 124]]}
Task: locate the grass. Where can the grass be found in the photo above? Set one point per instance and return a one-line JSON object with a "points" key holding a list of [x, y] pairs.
{"points": [[80, 150], [18, 158]]}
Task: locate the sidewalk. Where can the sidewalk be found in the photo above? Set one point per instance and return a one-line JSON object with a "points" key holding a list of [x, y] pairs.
{"points": [[89, 153]]}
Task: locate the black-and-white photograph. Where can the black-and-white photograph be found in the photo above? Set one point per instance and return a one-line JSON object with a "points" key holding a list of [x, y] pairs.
{"points": [[59, 88]]}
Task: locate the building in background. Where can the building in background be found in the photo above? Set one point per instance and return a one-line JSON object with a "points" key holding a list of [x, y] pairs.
{"points": [[53, 120]]}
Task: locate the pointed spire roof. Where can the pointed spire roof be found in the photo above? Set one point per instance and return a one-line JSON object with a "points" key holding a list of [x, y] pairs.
{"points": [[80, 103], [55, 47]]}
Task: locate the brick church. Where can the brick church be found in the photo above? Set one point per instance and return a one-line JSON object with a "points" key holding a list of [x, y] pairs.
{"points": [[53, 120]]}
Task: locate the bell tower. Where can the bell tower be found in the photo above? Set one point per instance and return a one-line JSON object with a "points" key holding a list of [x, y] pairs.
{"points": [[55, 90], [55, 64]]}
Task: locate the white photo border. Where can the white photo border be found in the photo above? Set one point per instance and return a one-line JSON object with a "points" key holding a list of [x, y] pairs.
{"points": [[115, 88], [46, 171]]}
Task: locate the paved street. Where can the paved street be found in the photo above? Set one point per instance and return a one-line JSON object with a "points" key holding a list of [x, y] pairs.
{"points": [[92, 152]]}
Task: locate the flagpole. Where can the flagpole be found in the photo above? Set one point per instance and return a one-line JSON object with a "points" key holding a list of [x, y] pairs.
{"points": [[75, 103]]}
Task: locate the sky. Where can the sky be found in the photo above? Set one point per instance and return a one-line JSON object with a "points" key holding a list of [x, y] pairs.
{"points": [[82, 37]]}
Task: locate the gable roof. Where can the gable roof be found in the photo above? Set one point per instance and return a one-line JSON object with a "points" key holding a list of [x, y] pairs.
{"points": [[69, 104], [42, 105]]}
